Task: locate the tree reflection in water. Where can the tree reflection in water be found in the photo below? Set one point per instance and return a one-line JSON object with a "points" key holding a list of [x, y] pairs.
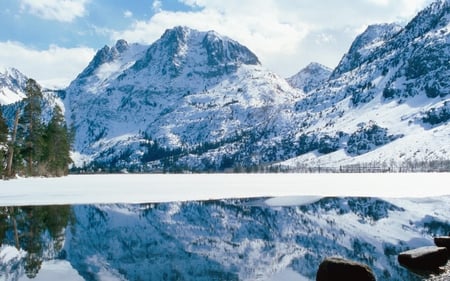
{"points": [[37, 230]]}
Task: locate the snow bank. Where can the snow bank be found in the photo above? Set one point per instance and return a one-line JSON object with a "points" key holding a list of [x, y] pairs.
{"points": [[132, 188]]}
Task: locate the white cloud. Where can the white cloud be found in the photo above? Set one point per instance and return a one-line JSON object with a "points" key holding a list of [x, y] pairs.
{"points": [[286, 35], [55, 67], [157, 6], [59, 10], [128, 14]]}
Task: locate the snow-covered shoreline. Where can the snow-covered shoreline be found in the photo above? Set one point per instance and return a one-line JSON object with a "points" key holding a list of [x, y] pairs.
{"points": [[146, 188]]}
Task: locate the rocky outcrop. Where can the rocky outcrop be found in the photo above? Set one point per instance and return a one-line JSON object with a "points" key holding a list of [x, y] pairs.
{"points": [[339, 269], [443, 241], [428, 258]]}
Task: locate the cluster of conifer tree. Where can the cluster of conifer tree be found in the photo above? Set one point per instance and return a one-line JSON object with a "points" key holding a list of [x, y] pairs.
{"points": [[31, 147]]}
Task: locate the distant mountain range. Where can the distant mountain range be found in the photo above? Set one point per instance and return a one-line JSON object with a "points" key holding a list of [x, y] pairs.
{"points": [[201, 101]]}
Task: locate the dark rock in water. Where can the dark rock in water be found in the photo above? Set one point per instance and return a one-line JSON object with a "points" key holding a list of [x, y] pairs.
{"points": [[424, 258], [443, 241], [339, 269]]}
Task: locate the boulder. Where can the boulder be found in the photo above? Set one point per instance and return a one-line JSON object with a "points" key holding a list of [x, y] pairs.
{"points": [[339, 269], [443, 241], [424, 259]]}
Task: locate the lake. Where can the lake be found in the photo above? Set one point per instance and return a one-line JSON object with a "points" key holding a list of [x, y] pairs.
{"points": [[228, 239]]}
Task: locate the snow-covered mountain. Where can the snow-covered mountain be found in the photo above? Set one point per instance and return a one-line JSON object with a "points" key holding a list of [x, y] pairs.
{"points": [[13, 91], [12, 86], [241, 239], [198, 100], [387, 100], [310, 77], [188, 93]]}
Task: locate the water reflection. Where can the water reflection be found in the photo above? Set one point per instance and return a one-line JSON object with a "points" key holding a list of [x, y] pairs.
{"points": [[211, 240], [37, 231]]}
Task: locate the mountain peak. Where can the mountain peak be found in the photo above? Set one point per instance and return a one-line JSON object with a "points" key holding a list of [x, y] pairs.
{"points": [[310, 77], [314, 66], [176, 34], [12, 85], [13, 73], [185, 50], [437, 14], [223, 50], [121, 45], [373, 37], [102, 56]]}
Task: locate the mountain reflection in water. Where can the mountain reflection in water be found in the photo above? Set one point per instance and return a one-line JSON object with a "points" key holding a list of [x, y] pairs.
{"points": [[243, 239]]}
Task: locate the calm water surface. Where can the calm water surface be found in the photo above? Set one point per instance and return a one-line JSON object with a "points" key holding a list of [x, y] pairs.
{"points": [[209, 240]]}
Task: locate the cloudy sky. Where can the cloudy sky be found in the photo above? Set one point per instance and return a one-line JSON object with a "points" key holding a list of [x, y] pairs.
{"points": [[53, 40]]}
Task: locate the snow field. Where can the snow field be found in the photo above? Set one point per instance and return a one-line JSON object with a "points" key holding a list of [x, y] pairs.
{"points": [[146, 188]]}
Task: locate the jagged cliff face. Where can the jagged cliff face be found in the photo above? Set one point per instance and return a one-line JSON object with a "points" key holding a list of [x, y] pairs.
{"points": [[248, 239]]}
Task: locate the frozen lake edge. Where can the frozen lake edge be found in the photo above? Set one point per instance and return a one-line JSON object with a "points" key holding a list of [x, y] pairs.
{"points": [[155, 188]]}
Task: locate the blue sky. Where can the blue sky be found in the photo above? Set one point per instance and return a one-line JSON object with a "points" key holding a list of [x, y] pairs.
{"points": [[90, 27], [53, 40]]}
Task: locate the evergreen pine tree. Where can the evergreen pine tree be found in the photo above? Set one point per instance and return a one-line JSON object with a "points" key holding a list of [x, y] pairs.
{"points": [[3, 128], [13, 161], [3, 142], [58, 143], [32, 129]]}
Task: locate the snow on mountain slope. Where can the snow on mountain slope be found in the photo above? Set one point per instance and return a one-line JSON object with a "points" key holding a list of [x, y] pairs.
{"points": [[364, 44], [12, 86], [387, 101], [198, 100], [13, 91], [311, 77], [187, 89], [201, 101]]}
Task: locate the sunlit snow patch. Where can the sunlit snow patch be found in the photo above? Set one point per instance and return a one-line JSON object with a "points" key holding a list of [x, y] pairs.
{"points": [[292, 201]]}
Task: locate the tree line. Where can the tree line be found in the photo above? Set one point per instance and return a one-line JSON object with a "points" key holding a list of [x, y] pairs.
{"points": [[31, 147]]}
